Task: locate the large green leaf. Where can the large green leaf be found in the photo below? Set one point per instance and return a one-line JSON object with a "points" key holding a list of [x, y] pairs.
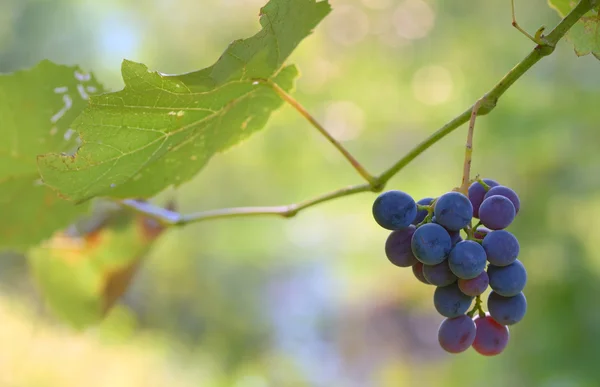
{"points": [[161, 130], [585, 34], [38, 105]]}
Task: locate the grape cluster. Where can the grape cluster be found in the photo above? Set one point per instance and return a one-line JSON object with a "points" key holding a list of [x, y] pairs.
{"points": [[436, 238]]}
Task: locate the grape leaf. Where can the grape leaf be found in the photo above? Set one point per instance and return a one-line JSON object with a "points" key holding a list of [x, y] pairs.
{"points": [[81, 272], [585, 34], [160, 130], [38, 105]]}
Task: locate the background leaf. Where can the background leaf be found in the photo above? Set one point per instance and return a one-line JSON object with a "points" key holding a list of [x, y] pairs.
{"points": [[161, 130], [82, 271], [585, 34], [38, 105]]}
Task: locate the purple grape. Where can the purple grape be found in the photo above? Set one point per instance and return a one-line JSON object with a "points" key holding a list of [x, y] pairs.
{"points": [[397, 247], [507, 310], [496, 212], [491, 338], [453, 210], [455, 237], [508, 281], [467, 259], [501, 247], [418, 272], [394, 210], [431, 244], [476, 194], [457, 334], [475, 286], [439, 275], [421, 214], [450, 302], [507, 193]]}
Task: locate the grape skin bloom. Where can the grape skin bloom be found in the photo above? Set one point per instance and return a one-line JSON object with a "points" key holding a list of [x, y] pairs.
{"points": [[453, 210], [507, 193], [431, 244], [467, 259], [450, 302], [477, 192], [501, 247], [457, 334], [491, 337], [507, 310], [508, 281], [474, 286], [394, 210], [496, 212], [440, 274], [398, 249]]}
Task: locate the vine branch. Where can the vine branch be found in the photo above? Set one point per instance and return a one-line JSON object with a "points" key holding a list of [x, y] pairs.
{"points": [[482, 106]]}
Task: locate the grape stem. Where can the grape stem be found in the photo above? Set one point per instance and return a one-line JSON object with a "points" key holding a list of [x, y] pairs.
{"points": [[372, 180], [486, 104], [538, 38], [466, 179]]}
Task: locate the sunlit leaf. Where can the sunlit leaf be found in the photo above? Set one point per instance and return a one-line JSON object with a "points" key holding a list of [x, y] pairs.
{"points": [[585, 34], [160, 130], [38, 106]]}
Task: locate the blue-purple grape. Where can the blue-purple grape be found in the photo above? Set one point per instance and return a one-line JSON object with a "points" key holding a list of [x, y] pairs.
{"points": [[467, 259], [477, 192], [450, 302], [507, 193], [455, 237], [507, 310], [496, 212], [457, 334], [439, 275], [491, 337], [453, 210], [398, 249], [501, 247], [421, 214], [474, 286], [394, 210], [417, 270], [508, 281], [431, 244]]}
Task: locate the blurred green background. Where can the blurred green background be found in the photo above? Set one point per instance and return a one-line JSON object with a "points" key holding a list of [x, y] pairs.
{"points": [[312, 301]]}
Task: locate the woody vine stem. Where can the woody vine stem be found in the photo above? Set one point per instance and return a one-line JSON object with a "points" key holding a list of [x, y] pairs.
{"points": [[376, 183]]}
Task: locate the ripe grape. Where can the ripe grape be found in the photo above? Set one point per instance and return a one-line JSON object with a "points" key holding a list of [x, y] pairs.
{"points": [[421, 214], [439, 275], [453, 210], [507, 193], [450, 302], [507, 310], [490, 338], [394, 210], [508, 281], [467, 259], [496, 212], [477, 192], [474, 286], [397, 247], [501, 247], [431, 243], [455, 237], [456, 334], [418, 272]]}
